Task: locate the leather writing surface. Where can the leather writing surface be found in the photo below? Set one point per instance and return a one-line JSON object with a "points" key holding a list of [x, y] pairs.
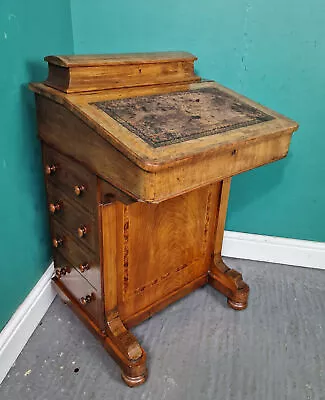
{"points": [[170, 118]]}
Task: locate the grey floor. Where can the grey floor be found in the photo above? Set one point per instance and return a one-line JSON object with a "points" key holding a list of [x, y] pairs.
{"points": [[197, 348]]}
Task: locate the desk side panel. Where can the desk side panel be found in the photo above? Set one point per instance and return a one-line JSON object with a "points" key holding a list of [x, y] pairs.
{"points": [[163, 250]]}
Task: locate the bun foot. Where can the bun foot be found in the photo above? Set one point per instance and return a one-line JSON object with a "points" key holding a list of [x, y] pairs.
{"points": [[230, 283], [133, 381], [235, 305]]}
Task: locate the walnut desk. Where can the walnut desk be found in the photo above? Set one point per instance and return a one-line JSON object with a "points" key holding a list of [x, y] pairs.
{"points": [[138, 155]]}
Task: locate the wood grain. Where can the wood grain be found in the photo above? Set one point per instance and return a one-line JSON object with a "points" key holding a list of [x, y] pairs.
{"points": [[72, 74], [72, 217], [64, 131], [228, 281], [79, 288], [69, 174], [155, 217], [76, 254], [110, 194], [89, 60], [134, 372], [109, 244], [165, 247], [156, 159]]}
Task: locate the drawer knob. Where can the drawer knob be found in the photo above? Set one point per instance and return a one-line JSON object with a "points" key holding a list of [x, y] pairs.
{"points": [[84, 267], [87, 299], [57, 242], [79, 189], [50, 169], [55, 207], [82, 231], [62, 271]]}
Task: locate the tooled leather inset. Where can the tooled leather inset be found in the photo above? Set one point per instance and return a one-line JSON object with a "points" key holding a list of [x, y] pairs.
{"points": [[170, 118]]}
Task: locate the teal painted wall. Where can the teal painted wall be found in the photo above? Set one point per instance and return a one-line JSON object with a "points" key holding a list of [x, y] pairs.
{"points": [[271, 51], [28, 31]]}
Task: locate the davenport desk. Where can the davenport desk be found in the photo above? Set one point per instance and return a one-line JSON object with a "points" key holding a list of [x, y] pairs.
{"points": [[138, 155]]}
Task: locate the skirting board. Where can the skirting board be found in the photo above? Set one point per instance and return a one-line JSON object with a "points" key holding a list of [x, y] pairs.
{"points": [[16, 333], [302, 253], [22, 324]]}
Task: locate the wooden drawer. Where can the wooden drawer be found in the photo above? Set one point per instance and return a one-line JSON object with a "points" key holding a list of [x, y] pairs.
{"points": [[109, 194], [71, 177], [82, 225], [87, 262], [89, 298]]}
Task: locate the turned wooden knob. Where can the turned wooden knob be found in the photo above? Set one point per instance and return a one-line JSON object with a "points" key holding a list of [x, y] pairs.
{"points": [[79, 189], [55, 207], [57, 242], [84, 267], [62, 271], [87, 299], [50, 169], [82, 231]]}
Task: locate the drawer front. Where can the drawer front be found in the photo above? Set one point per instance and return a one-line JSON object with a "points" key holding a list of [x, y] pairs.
{"points": [[79, 223], [71, 177], [109, 194], [87, 296], [86, 261]]}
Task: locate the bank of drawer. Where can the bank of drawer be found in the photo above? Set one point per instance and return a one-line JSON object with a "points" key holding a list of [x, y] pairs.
{"points": [[87, 296], [71, 177], [81, 224], [87, 262]]}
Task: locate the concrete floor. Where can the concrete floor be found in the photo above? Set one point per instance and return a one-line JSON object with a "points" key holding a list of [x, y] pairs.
{"points": [[197, 348]]}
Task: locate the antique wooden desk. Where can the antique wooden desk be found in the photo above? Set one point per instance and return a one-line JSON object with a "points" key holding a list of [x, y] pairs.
{"points": [[138, 155]]}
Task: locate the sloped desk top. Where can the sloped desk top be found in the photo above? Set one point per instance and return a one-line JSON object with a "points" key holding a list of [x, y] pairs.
{"points": [[157, 141]]}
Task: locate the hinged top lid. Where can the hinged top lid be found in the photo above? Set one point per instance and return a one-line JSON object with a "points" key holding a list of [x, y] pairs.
{"points": [[92, 60], [86, 73]]}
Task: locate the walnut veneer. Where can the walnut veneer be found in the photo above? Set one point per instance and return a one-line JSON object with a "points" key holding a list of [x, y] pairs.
{"points": [[138, 185]]}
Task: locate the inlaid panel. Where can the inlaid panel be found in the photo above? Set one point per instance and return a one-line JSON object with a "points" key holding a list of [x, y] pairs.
{"points": [[166, 246]]}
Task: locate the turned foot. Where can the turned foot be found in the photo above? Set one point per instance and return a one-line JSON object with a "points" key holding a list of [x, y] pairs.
{"points": [[119, 342], [235, 305], [126, 350], [230, 283], [134, 380]]}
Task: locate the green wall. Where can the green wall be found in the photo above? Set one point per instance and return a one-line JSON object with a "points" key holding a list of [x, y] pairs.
{"points": [[271, 51], [29, 30]]}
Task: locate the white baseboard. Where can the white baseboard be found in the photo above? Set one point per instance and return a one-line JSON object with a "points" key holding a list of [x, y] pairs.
{"points": [[22, 324], [303, 253], [16, 333]]}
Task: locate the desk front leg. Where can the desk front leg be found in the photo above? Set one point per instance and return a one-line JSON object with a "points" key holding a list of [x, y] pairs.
{"points": [[119, 341], [228, 281], [126, 350]]}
